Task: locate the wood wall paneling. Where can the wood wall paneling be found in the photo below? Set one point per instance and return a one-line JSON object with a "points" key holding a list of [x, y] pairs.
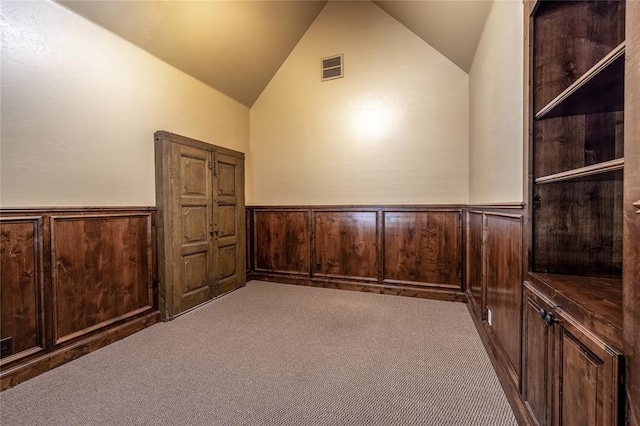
{"points": [[281, 241], [423, 248], [346, 244], [475, 261], [73, 280], [410, 250], [21, 288], [504, 283], [102, 271]]}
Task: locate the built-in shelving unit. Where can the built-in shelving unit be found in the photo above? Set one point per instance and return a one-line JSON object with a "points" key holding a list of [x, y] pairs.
{"points": [[578, 58], [573, 295]]}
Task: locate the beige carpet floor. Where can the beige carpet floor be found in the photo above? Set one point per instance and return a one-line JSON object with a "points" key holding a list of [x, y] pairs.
{"points": [[275, 354]]}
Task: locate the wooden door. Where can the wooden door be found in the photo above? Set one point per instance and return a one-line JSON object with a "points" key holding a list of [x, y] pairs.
{"points": [[537, 349], [192, 227], [229, 224], [587, 380], [201, 237]]}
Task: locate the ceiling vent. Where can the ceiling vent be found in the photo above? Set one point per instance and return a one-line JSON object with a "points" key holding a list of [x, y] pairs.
{"points": [[332, 67]]}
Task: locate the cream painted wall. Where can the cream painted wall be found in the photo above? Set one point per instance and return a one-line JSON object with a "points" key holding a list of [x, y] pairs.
{"points": [[80, 106], [496, 99], [393, 130]]}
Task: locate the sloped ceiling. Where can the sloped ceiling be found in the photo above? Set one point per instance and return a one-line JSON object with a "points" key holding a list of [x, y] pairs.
{"points": [[237, 46]]}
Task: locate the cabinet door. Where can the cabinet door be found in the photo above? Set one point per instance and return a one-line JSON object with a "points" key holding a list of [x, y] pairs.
{"points": [[587, 378], [537, 349]]}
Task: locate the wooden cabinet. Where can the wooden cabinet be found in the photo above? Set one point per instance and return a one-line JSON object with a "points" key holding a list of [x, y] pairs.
{"points": [[200, 196], [583, 108], [570, 375]]}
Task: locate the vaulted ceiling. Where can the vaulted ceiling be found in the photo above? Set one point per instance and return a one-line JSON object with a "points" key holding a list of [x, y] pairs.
{"points": [[237, 46]]}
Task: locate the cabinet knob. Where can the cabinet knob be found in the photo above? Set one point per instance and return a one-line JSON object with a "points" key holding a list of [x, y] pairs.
{"points": [[637, 205], [547, 317]]}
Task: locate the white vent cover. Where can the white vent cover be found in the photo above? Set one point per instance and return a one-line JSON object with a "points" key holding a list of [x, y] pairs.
{"points": [[332, 67]]}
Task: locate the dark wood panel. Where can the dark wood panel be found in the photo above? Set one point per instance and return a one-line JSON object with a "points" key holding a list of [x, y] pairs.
{"points": [[583, 140], [504, 283], [423, 247], [102, 271], [281, 241], [87, 273], [578, 227], [346, 244], [569, 38], [580, 374], [475, 260], [21, 288], [588, 377]]}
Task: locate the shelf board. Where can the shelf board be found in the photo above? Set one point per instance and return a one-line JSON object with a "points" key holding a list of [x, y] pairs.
{"points": [[594, 169], [599, 89]]}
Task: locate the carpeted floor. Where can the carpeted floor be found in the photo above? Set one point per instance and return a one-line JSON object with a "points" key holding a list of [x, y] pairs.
{"points": [[275, 354]]}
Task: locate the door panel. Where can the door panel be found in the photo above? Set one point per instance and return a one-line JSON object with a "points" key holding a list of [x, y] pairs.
{"points": [[537, 349], [580, 369], [193, 276], [587, 381], [229, 242], [227, 221]]}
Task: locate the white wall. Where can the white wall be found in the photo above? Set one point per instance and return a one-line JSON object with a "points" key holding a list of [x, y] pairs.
{"points": [[393, 130], [496, 99], [80, 106]]}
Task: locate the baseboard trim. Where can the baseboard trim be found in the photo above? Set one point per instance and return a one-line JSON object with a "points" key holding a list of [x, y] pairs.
{"points": [[502, 371], [366, 287], [51, 360]]}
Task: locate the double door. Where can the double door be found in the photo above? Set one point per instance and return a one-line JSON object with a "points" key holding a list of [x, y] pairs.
{"points": [[200, 196], [570, 376]]}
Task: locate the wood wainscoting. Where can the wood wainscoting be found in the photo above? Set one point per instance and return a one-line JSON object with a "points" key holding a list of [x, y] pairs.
{"points": [[404, 250], [72, 281], [494, 275]]}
